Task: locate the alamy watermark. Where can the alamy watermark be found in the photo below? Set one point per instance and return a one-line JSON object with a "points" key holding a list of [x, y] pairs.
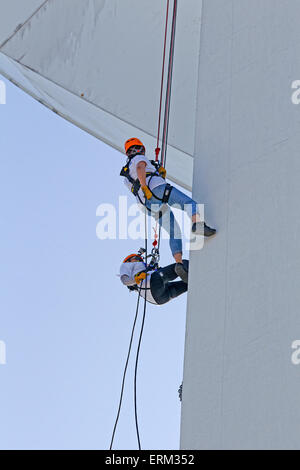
{"points": [[128, 222], [2, 92], [296, 354], [2, 353], [296, 94]]}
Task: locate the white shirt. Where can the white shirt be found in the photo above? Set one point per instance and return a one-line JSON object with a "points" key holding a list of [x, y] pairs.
{"points": [[127, 273], [154, 181]]}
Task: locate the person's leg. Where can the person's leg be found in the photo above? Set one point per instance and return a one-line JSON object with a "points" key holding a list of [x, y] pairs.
{"points": [[177, 197], [172, 271], [165, 217], [162, 290], [176, 288], [182, 270], [178, 258], [169, 291], [180, 199], [167, 273], [158, 289], [168, 222]]}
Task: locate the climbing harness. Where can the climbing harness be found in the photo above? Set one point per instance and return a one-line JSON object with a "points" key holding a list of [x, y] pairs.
{"points": [[125, 170], [152, 265], [136, 185]]}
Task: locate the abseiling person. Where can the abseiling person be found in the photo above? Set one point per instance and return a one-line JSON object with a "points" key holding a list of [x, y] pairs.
{"points": [[158, 286], [146, 180]]}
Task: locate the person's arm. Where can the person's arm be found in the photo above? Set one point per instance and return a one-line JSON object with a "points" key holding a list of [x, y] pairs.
{"points": [[141, 173], [127, 281], [138, 278]]}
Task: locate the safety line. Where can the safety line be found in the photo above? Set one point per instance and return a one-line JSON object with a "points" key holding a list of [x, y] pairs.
{"points": [[125, 371], [163, 160], [140, 339], [157, 150], [169, 88], [168, 94]]}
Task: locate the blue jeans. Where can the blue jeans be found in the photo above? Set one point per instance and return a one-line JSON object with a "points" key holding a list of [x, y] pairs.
{"points": [[168, 221]]}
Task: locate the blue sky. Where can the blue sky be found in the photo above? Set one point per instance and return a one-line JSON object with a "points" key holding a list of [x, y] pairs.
{"points": [[64, 316]]}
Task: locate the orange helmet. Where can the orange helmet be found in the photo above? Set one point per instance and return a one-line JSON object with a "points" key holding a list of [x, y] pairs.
{"points": [[131, 142], [134, 255]]}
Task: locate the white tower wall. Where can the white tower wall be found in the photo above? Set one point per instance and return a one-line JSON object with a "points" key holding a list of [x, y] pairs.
{"points": [[241, 389]]}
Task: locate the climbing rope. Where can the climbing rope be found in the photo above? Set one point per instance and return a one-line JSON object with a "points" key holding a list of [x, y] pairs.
{"points": [[137, 354], [157, 150], [156, 243], [135, 372], [140, 339], [125, 371], [169, 87]]}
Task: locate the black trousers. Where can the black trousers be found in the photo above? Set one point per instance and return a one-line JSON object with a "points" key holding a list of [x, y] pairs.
{"points": [[162, 287]]}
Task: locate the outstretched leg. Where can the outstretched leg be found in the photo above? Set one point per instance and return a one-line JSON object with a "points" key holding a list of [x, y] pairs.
{"points": [[168, 222], [162, 291], [179, 198], [165, 217], [176, 288], [171, 272]]}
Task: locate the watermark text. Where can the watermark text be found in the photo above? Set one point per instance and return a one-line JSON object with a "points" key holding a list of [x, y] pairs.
{"points": [[2, 92], [2, 353], [296, 354], [128, 222]]}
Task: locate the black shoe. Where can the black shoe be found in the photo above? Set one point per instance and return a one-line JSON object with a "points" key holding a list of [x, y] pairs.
{"points": [[181, 272], [200, 228]]}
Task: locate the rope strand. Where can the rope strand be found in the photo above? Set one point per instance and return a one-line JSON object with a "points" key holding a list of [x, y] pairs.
{"points": [[169, 88], [163, 161], [140, 340], [157, 150], [125, 371]]}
